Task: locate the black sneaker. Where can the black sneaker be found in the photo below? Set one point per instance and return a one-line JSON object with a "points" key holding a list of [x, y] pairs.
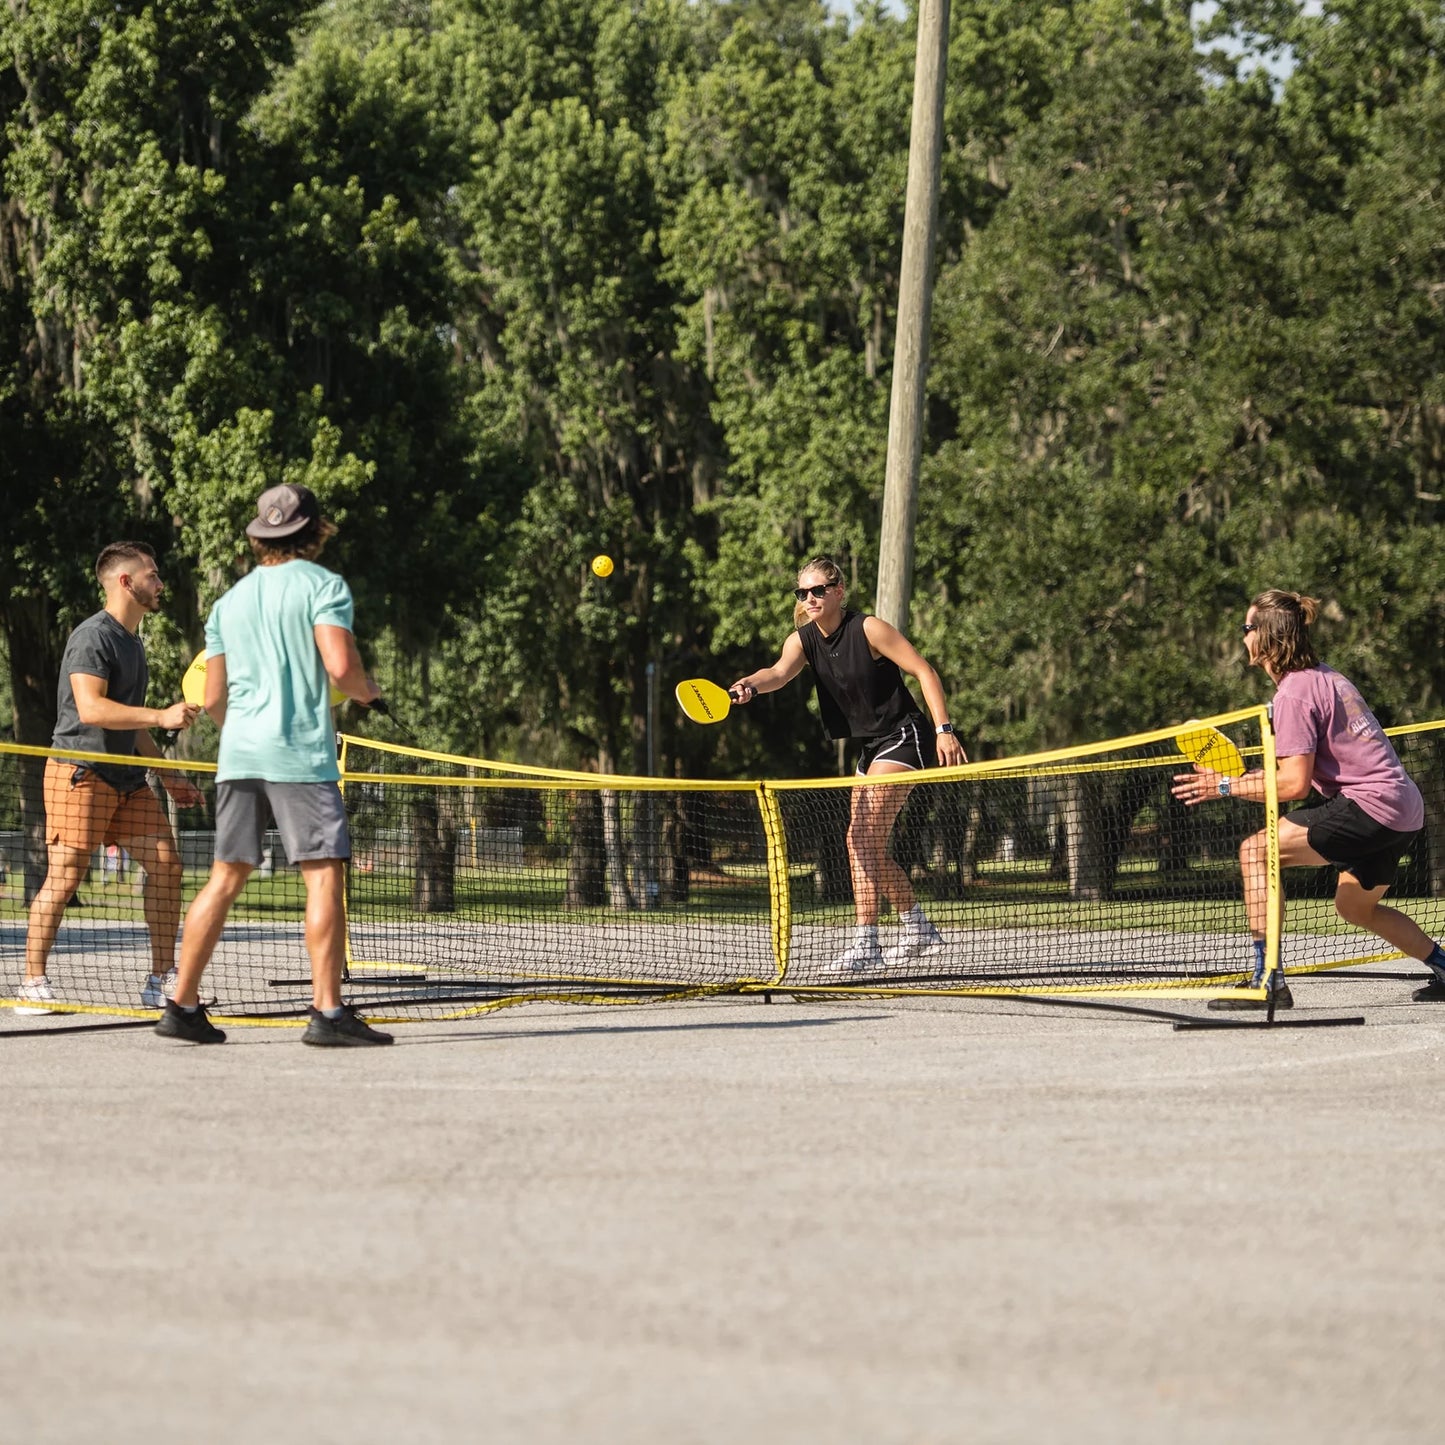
{"points": [[1283, 998], [192, 1027], [1433, 992], [349, 1031]]}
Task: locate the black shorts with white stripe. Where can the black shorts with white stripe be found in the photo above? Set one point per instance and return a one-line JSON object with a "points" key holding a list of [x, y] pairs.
{"points": [[912, 746]]}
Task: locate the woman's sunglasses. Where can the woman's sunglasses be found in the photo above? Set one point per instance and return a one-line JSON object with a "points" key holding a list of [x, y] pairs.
{"points": [[818, 591]]}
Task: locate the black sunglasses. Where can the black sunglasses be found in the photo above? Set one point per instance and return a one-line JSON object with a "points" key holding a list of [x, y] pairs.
{"points": [[1248, 628], [818, 591]]}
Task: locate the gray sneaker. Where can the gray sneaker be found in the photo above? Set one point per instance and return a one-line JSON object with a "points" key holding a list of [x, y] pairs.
{"points": [[348, 1031], [158, 988], [191, 1026], [1283, 998], [858, 957], [913, 943], [35, 997]]}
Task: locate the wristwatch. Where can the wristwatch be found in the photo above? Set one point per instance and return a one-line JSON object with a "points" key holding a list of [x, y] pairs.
{"points": [[1223, 786], [943, 728]]}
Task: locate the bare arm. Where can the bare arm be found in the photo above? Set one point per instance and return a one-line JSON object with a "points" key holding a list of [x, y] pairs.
{"points": [[215, 697], [178, 785], [99, 710], [887, 641], [770, 679], [343, 662], [1293, 779]]}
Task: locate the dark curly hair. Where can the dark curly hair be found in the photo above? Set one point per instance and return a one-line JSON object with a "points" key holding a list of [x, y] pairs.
{"points": [[306, 543]]}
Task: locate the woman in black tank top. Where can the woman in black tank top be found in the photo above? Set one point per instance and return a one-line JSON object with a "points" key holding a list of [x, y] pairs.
{"points": [[858, 664]]}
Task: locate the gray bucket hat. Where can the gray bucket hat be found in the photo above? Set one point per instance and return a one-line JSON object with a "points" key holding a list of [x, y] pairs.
{"points": [[282, 512]]}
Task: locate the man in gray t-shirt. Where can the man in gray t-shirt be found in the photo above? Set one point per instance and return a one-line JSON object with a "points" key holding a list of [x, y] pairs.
{"points": [[100, 708], [101, 647]]}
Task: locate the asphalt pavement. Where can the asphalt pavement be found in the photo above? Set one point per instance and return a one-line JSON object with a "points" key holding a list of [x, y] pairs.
{"points": [[837, 1221]]}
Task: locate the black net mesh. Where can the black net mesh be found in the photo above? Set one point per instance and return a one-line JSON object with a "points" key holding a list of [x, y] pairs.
{"points": [[1315, 937], [1076, 872], [470, 887]]}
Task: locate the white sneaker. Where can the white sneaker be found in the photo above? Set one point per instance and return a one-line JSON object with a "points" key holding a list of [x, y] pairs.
{"points": [[157, 990], [913, 943], [37, 995], [858, 957]]}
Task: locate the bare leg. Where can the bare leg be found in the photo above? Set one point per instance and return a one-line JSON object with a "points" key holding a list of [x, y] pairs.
{"points": [[1362, 907], [325, 928], [162, 896], [870, 826], [1355, 904], [1294, 852], [204, 921], [62, 878]]}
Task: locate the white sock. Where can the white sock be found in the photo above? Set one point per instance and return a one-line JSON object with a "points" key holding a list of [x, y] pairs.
{"points": [[867, 933], [914, 918]]}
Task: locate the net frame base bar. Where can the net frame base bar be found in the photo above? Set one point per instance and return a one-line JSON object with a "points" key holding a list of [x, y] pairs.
{"points": [[1203, 1025], [44, 1030]]}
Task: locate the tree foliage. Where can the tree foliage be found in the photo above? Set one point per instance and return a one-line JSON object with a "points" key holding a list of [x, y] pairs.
{"points": [[512, 284]]}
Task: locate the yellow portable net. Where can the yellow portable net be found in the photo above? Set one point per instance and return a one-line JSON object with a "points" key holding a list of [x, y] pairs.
{"points": [[476, 884]]}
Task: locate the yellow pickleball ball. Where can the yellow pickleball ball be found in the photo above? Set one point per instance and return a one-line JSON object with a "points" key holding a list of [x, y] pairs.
{"points": [[602, 565]]}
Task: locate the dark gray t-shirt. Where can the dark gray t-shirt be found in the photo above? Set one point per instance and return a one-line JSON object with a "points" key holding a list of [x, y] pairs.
{"points": [[101, 647]]}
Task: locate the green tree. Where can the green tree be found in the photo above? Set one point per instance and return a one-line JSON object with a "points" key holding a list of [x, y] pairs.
{"points": [[117, 121], [569, 337]]}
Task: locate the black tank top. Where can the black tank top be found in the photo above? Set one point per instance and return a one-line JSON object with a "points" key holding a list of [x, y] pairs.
{"points": [[859, 695]]}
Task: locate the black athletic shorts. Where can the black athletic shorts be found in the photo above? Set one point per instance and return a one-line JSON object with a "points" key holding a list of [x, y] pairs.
{"points": [[1344, 834], [914, 745]]}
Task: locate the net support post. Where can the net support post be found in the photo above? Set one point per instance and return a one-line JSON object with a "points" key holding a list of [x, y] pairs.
{"points": [[780, 903], [341, 746], [1274, 899], [1274, 893]]}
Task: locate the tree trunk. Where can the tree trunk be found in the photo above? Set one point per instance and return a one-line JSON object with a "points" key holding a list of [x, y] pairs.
{"points": [[675, 878], [832, 877], [34, 652], [1083, 845], [434, 883], [586, 865], [619, 896], [34, 648]]}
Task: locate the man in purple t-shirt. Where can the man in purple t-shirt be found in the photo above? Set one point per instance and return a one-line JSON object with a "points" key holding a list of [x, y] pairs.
{"points": [[1326, 740]]}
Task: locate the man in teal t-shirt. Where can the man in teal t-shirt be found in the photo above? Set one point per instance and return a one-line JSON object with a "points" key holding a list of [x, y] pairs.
{"points": [[278, 696], [274, 645]]}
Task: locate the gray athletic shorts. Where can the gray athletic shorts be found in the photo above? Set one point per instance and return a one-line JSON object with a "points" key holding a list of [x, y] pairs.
{"points": [[310, 818]]}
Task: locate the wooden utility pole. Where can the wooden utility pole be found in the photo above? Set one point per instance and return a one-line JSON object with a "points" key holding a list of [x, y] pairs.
{"points": [[915, 306]]}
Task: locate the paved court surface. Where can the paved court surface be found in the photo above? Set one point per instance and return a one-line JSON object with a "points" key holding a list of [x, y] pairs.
{"points": [[846, 1221]]}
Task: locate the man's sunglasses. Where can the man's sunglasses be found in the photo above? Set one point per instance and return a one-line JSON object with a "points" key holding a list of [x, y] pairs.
{"points": [[819, 591]]}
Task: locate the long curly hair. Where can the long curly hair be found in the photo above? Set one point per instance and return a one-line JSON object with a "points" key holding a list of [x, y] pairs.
{"points": [[1283, 622], [308, 543]]}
